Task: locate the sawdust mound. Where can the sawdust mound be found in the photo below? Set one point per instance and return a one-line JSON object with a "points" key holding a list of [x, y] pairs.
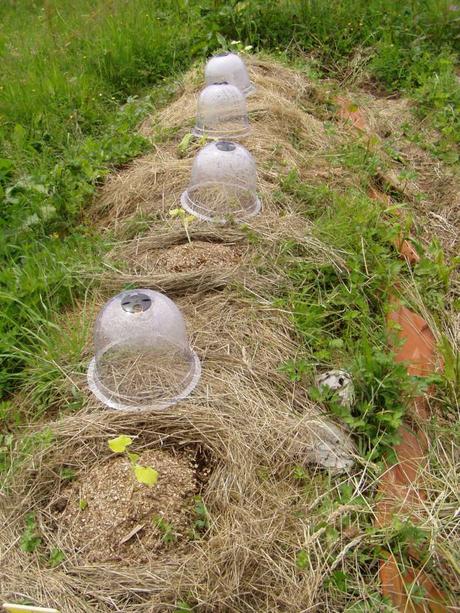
{"points": [[108, 516], [188, 257]]}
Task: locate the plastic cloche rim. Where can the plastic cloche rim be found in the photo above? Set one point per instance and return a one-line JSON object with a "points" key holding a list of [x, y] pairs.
{"points": [[187, 204], [160, 405], [220, 134]]}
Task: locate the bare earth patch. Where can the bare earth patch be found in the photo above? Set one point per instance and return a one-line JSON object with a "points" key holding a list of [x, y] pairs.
{"points": [[110, 516]]}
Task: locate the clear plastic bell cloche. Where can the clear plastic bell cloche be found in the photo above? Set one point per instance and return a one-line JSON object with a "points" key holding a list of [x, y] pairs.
{"points": [[223, 184], [222, 112], [228, 67], [143, 359]]}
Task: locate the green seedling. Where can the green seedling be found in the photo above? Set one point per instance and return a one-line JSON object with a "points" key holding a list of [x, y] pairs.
{"points": [[167, 530], [295, 369], [56, 557], [30, 539], [68, 474], [201, 522], [183, 607], [302, 558], [120, 443], [144, 474], [300, 474], [339, 580], [184, 217], [184, 145]]}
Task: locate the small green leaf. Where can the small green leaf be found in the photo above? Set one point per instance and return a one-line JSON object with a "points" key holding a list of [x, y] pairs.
{"points": [[185, 143], [56, 557], [183, 607], [340, 580], [119, 444], [146, 475], [302, 559], [30, 538], [82, 503], [221, 40], [68, 473]]}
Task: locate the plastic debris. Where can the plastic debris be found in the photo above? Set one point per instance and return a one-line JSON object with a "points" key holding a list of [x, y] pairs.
{"points": [[338, 381]]}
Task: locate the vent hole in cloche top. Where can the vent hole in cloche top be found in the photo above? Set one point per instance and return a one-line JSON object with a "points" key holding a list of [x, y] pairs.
{"points": [[223, 184], [221, 112], [143, 359], [225, 146], [231, 68]]}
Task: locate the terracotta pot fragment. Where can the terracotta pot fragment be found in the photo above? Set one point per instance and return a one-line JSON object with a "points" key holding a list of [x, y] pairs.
{"points": [[348, 111], [400, 486]]}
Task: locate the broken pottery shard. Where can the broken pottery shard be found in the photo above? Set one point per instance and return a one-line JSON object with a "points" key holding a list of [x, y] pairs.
{"points": [[399, 587], [352, 113], [400, 486], [407, 251], [419, 346]]}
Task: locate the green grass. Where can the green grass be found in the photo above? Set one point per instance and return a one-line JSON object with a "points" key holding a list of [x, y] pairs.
{"points": [[74, 84], [409, 47]]}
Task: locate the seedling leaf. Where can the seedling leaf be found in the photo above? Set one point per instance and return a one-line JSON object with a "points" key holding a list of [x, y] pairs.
{"points": [[119, 444], [146, 475], [302, 559]]}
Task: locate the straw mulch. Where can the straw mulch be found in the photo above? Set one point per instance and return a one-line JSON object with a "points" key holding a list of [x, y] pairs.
{"points": [[251, 426]]}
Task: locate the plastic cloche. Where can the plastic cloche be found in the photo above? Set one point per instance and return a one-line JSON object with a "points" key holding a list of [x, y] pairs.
{"points": [[230, 68], [223, 184], [143, 359], [222, 112]]}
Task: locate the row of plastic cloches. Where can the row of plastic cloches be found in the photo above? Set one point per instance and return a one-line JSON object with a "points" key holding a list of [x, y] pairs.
{"points": [[223, 182], [143, 359]]}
